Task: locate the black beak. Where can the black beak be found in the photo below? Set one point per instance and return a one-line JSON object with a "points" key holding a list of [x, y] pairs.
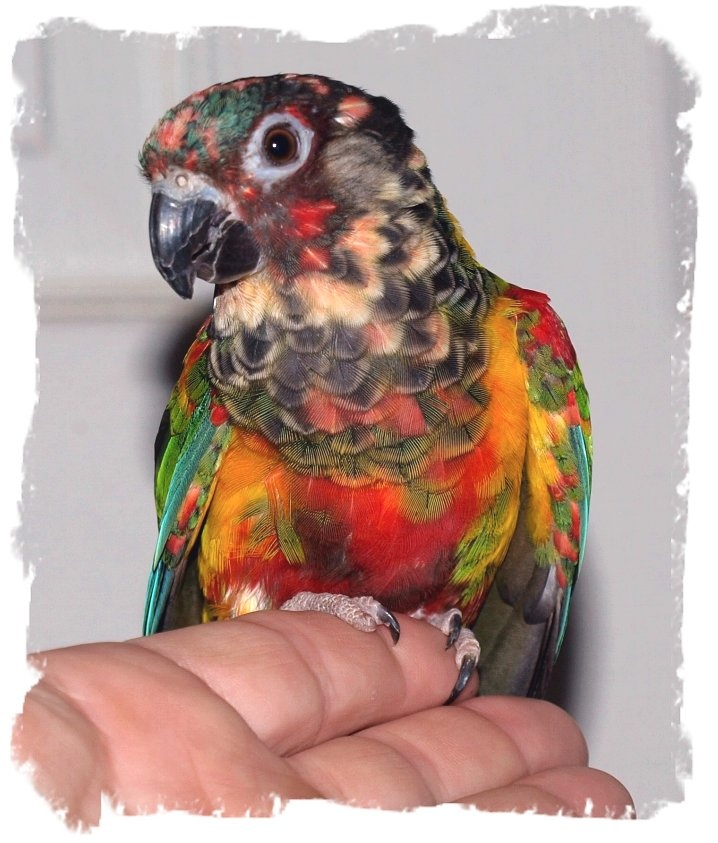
{"points": [[195, 238]]}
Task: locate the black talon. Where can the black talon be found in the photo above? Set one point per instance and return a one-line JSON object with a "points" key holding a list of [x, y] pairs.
{"points": [[388, 619], [454, 630], [468, 666]]}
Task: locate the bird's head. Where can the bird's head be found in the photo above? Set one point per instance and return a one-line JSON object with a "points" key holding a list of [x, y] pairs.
{"points": [[290, 175], [338, 268], [268, 171]]}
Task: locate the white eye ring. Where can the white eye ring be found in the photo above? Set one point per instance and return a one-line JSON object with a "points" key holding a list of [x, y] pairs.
{"points": [[268, 168]]}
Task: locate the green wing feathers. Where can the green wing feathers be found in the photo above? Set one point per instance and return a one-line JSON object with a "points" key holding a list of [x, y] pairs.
{"points": [[523, 622], [191, 441]]}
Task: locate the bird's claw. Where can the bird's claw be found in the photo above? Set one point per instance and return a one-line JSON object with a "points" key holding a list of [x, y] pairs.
{"points": [[389, 620], [468, 666], [455, 625]]}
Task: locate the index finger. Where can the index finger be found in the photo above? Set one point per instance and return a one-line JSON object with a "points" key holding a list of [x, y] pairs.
{"points": [[300, 678]]}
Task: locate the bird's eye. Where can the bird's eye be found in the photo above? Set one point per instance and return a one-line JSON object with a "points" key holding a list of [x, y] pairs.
{"points": [[280, 145]]}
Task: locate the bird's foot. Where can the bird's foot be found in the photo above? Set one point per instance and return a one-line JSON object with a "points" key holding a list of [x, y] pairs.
{"points": [[363, 613], [463, 640]]}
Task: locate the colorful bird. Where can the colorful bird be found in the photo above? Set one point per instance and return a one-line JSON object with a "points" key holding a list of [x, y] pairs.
{"points": [[370, 421]]}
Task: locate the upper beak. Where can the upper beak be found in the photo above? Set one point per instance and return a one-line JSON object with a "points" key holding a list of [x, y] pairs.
{"points": [[194, 237]]}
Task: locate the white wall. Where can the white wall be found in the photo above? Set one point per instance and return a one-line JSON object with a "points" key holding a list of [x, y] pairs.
{"points": [[555, 148]]}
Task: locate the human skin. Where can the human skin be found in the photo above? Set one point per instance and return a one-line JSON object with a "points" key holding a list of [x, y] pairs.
{"points": [[295, 705]]}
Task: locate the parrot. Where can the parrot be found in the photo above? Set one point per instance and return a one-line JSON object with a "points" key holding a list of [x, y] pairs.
{"points": [[369, 421]]}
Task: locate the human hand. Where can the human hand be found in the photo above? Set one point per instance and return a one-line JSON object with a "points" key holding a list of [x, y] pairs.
{"points": [[300, 706]]}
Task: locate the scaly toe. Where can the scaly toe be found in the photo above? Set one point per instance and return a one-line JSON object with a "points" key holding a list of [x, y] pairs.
{"points": [[467, 659], [448, 622], [362, 613], [458, 636]]}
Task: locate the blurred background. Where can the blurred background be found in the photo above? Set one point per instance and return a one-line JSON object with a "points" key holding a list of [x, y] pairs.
{"points": [[559, 151]]}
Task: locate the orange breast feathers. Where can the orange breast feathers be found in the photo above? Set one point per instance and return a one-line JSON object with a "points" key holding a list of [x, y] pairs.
{"points": [[271, 531]]}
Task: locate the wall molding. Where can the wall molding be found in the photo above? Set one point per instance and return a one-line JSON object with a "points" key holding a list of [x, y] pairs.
{"points": [[115, 299]]}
